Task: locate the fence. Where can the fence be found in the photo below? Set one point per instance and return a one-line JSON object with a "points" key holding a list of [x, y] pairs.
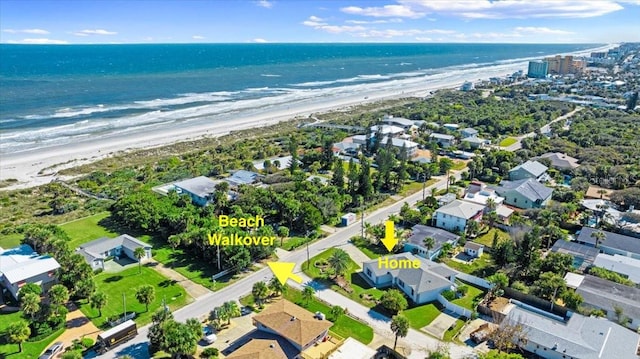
{"points": [[474, 280], [454, 307]]}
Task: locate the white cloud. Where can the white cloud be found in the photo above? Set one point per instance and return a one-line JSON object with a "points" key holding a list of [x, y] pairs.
{"points": [[384, 11], [265, 4], [94, 32], [198, 37], [502, 9], [363, 22], [259, 40], [390, 33], [314, 21], [541, 30], [424, 39], [27, 31], [43, 41]]}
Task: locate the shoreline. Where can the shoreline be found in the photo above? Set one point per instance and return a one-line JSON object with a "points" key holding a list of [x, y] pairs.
{"points": [[38, 167]]}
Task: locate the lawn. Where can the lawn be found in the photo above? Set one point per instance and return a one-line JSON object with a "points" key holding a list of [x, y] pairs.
{"points": [[373, 251], [29, 349], [10, 240], [292, 243], [468, 300], [508, 142], [87, 229], [487, 238], [449, 334], [361, 291], [481, 267], [421, 316], [115, 285], [458, 165]]}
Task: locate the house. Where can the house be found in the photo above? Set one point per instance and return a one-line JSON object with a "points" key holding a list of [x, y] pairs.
{"points": [[353, 349], [259, 349], [406, 124], [469, 132], [22, 265], [346, 148], [524, 193], [561, 161], [451, 126], [606, 295], [242, 177], [467, 86], [387, 130], [529, 169], [399, 143], [421, 285], [479, 193], [550, 337], [455, 215], [446, 199], [614, 243], [99, 250], [473, 250], [443, 140], [475, 142], [627, 266], [200, 189], [583, 256], [415, 243], [297, 325]]}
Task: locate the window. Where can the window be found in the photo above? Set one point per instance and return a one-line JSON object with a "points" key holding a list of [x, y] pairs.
{"points": [[515, 200], [401, 283], [369, 272]]}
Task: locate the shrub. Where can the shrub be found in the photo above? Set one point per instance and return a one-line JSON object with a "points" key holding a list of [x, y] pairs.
{"points": [[87, 342], [449, 295], [209, 353]]}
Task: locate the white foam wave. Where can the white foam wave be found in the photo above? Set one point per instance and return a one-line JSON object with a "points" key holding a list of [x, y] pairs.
{"points": [[269, 75]]}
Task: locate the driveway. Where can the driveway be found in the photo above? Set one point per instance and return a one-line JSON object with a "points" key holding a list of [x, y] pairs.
{"points": [[440, 325], [78, 326]]}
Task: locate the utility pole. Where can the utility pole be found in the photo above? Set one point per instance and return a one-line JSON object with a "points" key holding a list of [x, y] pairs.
{"points": [[362, 220], [424, 184]]}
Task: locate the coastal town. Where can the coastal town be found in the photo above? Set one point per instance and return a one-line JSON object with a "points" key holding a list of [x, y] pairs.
{"points": [[499, 219]]}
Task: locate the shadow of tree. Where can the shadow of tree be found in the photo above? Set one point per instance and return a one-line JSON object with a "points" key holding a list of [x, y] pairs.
{"points": [[113, 278]]}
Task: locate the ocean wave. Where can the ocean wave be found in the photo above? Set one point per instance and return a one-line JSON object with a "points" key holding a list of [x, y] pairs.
{"points": [[270, 75]]}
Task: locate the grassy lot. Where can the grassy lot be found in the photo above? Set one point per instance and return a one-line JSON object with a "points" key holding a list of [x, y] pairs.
{"points": [[487, 237], [87, 229], [10, 240], [421, 316], [373, 251], [361, 292], [414, 187], [508, 142], [291, 243], [458, 165], [480, 267], [468, 299], [449, 334], [115, 285], [29, 349]]}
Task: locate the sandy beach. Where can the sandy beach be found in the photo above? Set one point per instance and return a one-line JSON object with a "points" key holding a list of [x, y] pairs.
{"points": [[33, 168]]}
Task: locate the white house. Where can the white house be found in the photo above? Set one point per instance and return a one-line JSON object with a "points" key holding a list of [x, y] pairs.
{"points": [[406, 124], [421, 285], [21, 265], [473, 250], [97, 251], [442, 139], [627, 266], [456, 215]]}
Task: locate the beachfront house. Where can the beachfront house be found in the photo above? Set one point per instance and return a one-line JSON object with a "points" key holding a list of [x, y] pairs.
{"points": [[529, 169], [421, 285], [525, 193], [22, 265], [416, 242], [102, 249], [406, 124], [456, 215]]}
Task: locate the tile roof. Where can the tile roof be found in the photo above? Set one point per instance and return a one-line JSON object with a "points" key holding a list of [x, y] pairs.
{"points": [[613, 240], [200, 186], [461, 209], [528, 188], [293, 322], [94, 249], [21, 263], [534, 167], [259, 349]]}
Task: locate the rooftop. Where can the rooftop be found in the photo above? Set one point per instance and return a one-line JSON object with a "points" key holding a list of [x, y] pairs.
{"points": [[21, 263], [528, 187], [613, 240], [200, 186], [561, 160], [430, 274], [461, 209], [606, 294], [441, 136], [419, 232], [259, 349], [293, 322], [534, 167], [353, 349], [399, 120], [620, 264], [242, 177], [586, 253], [96, 247], [387, 129]]}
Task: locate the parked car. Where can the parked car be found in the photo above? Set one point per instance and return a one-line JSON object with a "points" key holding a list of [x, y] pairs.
{"points": [[52, 351], [245, 310], [208, 335]]}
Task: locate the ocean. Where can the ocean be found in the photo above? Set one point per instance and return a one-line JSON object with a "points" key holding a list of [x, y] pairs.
{"points": [[53, 95]]}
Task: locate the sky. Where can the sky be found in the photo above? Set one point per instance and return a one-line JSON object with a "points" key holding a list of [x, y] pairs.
{"points": [[261, 21]]}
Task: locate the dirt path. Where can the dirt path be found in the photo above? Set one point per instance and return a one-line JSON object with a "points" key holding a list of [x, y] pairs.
{"points": [[193, 289], [78, 326]]}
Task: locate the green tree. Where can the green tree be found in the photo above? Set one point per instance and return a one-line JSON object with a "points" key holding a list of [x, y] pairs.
{"points": [[74, 354], [30, 304], [472, 228], [156, 335], [571, 299], [98, 300], [494, 354], [336, 311], [260, 292], [307, 293], [393, 300], [58, 295], [29, 288], [283, 232], [277, 287], [139, 253], [232, 309], [339, 261], [599, 236], [549, 285], [399, 327], [499, 281], [146, 294], [180, 339], [428, 243], [557, 262], [18, 332]]}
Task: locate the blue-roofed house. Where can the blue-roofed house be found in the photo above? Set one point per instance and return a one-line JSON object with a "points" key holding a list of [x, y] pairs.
{"points": [[415, 243], [525, 193], [529, 169]]}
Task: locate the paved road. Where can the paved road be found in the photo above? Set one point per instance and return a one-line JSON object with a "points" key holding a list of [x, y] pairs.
{"points": [[137, 347]]}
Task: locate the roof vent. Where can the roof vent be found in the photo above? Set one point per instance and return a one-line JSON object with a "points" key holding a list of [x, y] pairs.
{"points": [[293, 318], [271, 345]]}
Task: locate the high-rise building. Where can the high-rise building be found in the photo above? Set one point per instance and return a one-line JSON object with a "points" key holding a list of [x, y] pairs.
{"points": [[538, 69], [562, 65]]}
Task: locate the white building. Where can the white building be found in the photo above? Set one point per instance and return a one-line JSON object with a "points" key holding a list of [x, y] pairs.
{"points": [[21, 265], [627, 266], [456, 215]]}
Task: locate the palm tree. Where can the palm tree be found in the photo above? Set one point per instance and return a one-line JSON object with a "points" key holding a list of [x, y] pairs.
{"points": [[472, 228], [400, 327], [98, 300], [30, 304], [307, 293], [18, 332], [277, 287], [429, 243], [491, 204], [599, 236], [146, 294], [58, 295], [339, 261], [260, 292], [491, 218], [139, 253], [232, 310]]}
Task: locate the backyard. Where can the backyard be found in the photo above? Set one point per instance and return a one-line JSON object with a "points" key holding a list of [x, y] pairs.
{"points": [[486, 238], [422, 315], [87, 229], [508, 142], [480, 267], [473, 296], [29, 349], [121, 287]]}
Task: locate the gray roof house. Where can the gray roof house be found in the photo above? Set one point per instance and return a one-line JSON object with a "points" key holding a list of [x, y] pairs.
{"points": [[475, 142], [529, 169], [415, 243], [456, 215], [561, 161], [241, 177], [200, 189], [99, 250], [422, 284], [525, 193], [469, 132], [583, 256], [21, 265], [607, 295], [406, 124], [442, 139], [613, 244], [579, 337]]}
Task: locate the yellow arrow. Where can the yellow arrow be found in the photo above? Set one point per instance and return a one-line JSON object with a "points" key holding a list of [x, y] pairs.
{"points": [[284, 271], [389, 239]]}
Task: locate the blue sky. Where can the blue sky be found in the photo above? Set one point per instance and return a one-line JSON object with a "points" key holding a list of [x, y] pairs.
{"points": [[188, 21]]}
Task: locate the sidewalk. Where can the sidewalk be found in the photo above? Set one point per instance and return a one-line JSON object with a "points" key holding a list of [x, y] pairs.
{"points": [[193, 289]]}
